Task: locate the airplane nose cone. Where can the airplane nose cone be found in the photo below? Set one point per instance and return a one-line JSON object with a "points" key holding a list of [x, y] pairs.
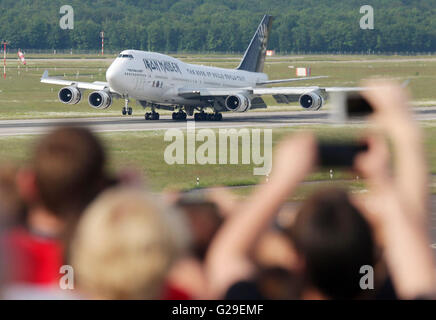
{"points": [[113, 77], [110, 74]]}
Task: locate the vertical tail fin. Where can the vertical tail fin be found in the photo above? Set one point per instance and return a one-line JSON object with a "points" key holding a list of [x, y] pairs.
{"points": [[254, 57]]}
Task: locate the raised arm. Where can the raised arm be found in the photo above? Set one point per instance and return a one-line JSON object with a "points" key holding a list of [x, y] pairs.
{"points": [[228, 259], [396, 204], [393, 115], [404, 239]]}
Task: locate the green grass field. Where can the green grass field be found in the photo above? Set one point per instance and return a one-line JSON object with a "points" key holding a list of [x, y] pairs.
{"points": [[22, 96], [145, 151]]}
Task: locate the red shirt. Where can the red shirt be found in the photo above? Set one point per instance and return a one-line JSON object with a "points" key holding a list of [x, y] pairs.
{"points": [[171, 292], [33, 259]]}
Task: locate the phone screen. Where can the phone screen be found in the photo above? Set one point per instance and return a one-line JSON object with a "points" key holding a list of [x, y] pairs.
{"points": [[357, 106], [335, 154]]}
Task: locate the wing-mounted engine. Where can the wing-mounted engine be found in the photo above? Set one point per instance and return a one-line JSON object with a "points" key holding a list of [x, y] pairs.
{"points": [[70, 95], [237, 103], [100, 100], [311, 101]]}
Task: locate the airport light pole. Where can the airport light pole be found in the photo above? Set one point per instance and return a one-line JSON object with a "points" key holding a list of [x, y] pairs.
{"points": [[102, 42], [4, 43]]}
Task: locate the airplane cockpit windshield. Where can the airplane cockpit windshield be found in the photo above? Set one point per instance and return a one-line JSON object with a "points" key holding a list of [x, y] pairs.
{"points": [[125, 56]]}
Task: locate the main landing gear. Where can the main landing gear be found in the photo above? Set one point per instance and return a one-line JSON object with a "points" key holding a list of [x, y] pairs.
{"points": [[126, 109], [203, 116], [152, 116], [180, 116], [181, 113]]}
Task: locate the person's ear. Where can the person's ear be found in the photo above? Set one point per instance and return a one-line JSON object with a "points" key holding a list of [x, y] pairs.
{"points": [[26, 185]]}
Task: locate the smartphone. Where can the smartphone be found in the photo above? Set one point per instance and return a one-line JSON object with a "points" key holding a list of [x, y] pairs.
{"points": [[339, 154], [356, 106], [350, 106]]}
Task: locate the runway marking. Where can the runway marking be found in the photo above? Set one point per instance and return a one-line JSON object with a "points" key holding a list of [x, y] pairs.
{"points": [[130, 124], [43, 131]]}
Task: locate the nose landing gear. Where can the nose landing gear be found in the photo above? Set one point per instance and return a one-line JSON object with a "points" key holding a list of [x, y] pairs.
{"points": [[126, 109]]}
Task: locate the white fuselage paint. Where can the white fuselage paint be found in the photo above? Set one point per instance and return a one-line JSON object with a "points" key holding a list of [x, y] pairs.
{"points": [[157, 78]]}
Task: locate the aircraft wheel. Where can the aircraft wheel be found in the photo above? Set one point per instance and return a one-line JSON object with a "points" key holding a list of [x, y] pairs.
{"points": [[179, 116], [129, 111], [200, 116], [124, 111]]}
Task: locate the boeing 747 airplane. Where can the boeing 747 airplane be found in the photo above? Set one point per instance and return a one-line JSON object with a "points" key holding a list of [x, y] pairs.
{"points": [[159, 81]]}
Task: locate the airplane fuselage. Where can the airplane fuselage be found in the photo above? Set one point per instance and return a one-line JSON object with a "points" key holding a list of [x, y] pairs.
{"points": [[159, 81], [157, 78]]}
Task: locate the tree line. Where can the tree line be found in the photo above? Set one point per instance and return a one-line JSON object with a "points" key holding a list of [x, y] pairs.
{"points": [[220, 26]]}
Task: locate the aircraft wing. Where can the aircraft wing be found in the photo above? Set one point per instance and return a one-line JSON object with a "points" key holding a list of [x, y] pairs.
{"points": [[291, 94], [284, 90], [212, 92], [274, 91], [97, 85], [345, 89], [290, 80], [282, 95], [302, 90]]}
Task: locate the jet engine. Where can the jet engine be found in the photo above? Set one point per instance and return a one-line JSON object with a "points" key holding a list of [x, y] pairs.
{"points": [[70, 95], [311, 101], [238, 103], [100, 100]]}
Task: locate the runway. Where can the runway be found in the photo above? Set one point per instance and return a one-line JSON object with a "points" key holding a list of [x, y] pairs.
{"points": [[231, 120]]}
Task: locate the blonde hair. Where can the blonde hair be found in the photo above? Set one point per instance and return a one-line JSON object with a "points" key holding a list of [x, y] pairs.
{"points": [[124, 245]]}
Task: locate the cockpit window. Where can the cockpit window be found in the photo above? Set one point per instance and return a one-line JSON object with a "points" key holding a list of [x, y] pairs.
{"points": [[125, 56]]}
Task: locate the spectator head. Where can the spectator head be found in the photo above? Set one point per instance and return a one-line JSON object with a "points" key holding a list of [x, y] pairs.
{"points": [[67, 171], [124, 246], [12, 207], [276, 283], [334, 241], [204, 221]]}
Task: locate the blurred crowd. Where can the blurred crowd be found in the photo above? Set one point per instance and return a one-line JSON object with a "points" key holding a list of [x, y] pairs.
{"points": [[72, 230]]}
